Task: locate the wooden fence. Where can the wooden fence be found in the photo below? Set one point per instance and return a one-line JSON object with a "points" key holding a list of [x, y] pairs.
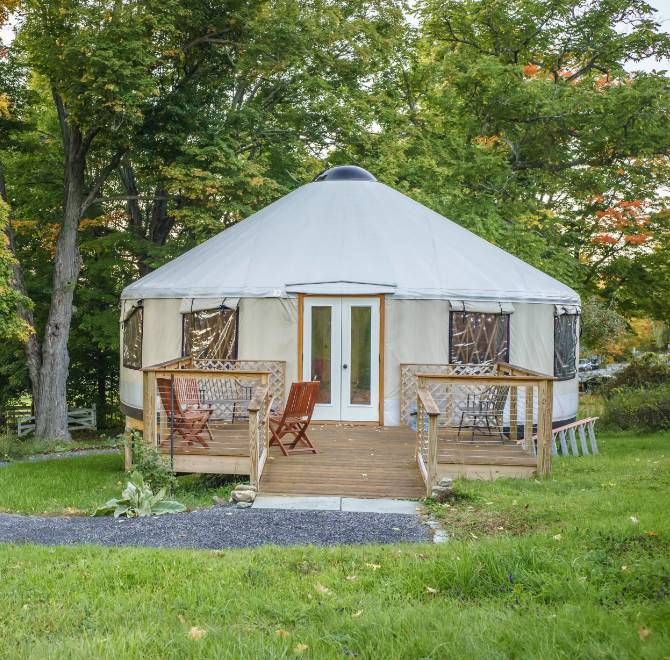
{"points": [[77, 419]]}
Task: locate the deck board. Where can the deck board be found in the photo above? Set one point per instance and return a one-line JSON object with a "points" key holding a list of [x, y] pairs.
{"points": [[352, 461]]}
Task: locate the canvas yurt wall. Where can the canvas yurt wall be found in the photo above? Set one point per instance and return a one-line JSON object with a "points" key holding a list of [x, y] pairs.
{"points": [[431, 285], [415, 332]]}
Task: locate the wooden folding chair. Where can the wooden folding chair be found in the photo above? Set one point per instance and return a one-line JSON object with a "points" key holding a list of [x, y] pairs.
{"points": [[295, 418], [190, 419]]}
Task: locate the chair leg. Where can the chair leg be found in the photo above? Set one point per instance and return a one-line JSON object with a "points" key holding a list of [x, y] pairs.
{"points": [[500, 430], [460, 426], [276, 439]]}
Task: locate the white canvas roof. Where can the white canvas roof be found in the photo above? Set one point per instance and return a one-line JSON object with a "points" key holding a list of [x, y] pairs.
{"points": [[350, 237]]}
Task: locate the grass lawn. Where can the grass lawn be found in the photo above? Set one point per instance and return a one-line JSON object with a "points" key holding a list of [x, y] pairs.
{"points": [[77, 486], [571, 576]]}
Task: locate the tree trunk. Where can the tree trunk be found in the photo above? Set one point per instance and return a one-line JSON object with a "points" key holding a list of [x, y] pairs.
{"points": [[32, 346], [51, 418]]}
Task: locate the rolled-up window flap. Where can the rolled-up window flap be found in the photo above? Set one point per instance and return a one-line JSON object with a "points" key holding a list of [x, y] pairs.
{"points": [[481, 306], [560, 310], [190, 305], [128, 308]]}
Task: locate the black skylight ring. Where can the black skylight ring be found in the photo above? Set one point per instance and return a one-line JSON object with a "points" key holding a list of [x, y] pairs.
{"points": [[344, 173]]}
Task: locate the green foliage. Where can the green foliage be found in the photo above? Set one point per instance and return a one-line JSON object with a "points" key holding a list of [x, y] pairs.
{"points": [[602, 328], [647, 371], [153, 466], [138, 501], [643, 410], [11, 325], [520, 121]]}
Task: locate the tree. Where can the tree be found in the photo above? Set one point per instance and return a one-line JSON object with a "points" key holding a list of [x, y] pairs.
{"points": [[174, 121], [520, 121]]}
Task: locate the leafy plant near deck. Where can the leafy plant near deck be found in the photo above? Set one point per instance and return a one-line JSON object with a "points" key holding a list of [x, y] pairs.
{"points": [[138, 501], [151, 464]]}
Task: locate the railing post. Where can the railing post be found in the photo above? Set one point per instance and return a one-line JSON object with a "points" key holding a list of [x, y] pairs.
{"points": [[253, 447], [544, 437], [432, 454], [528, 444], [513, 413], [149, 436]]}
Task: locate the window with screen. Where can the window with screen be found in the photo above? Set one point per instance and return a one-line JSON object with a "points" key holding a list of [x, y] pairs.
{"points": [[565, 346], [478, 338], [210, 335], [132, 340]]}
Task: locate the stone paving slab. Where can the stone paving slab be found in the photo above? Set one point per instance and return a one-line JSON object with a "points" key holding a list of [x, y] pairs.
{"points": [[351, 504], [381, 506], [298, 503]]}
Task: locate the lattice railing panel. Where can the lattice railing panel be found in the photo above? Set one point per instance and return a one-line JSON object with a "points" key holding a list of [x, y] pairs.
{"points": [[277, 371], [408, 380]]}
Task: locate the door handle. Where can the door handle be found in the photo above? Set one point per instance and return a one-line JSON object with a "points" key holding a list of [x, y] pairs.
{"points": [[344, 366]]}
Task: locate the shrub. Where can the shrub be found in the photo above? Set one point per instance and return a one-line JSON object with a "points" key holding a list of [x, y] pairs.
{"points": [[645, 409], [648, 371], [153, 466]]}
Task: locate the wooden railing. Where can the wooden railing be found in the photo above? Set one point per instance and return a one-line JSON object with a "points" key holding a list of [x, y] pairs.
{"points": [[522, 409], [259, 411], [224, 440]]}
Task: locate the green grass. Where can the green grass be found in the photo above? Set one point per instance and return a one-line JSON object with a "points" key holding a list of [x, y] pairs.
{"points": [[630, 477], [77, 486], [565, 554], [13, 448]]}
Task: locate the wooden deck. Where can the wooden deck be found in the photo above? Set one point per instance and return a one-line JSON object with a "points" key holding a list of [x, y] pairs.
{"points": [[352, 461], [364, 461], [486, 457]]}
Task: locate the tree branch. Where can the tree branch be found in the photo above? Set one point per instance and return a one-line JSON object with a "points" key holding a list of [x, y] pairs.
{"points": [[114, 198], [111, 166], [62, 118]]}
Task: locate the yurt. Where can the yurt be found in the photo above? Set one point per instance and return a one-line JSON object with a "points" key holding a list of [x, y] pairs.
{"points": [[349, 282]]}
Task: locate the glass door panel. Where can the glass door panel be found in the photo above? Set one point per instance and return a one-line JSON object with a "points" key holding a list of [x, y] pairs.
{"points": [[361, 359], [321, 351]]}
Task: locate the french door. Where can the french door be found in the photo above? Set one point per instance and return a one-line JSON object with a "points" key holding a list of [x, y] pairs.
{"points": [[341, 351]]}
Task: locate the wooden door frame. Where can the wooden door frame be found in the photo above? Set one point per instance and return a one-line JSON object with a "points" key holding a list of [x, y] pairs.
{"points": [[382, 306]]}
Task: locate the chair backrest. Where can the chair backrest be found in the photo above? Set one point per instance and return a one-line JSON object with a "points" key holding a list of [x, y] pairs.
{"points": [[167, 400], [301, 399], [186, 390], [498, 398]]}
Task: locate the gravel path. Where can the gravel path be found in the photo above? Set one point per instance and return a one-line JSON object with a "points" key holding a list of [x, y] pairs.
{"points": [[65, 454], [223, 526]]}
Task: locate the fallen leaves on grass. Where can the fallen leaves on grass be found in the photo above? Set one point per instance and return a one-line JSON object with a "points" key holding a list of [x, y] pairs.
{"points": [[652, 533], [634, 519], [300, 648], [195, 633], [557, 537], [374, 566], [279, 633], [181, 618], [357, 614], [320, 589], [432, 591], [642, 632]]}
